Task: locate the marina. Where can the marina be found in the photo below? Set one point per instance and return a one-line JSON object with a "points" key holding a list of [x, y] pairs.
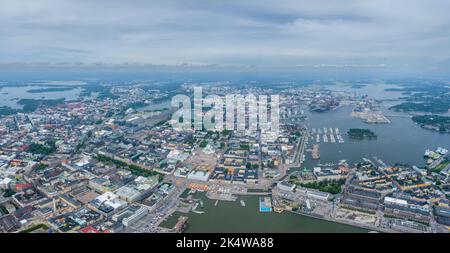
{"points": [[327, 135], [394, 143]]}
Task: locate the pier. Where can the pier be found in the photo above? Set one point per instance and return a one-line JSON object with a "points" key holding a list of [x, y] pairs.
{"points": [[221, 196], [333, 140], [315, 152], [329, 135], [181, 224]]}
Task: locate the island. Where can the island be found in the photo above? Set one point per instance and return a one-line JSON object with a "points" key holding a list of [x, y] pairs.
{"points": [[432, 107], [360, 133], [52, 89], [433, 122], [420, 97]]}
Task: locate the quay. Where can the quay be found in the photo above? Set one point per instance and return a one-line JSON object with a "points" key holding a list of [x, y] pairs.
{"points": [[315, 152]]}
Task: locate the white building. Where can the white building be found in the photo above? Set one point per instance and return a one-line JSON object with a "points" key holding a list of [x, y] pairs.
{"points": [[128, 193], [131, 215], [181, 172], [141, 212], [4, 184], [199, 175], [109, 199], [395, 201], [135, 190], [286, 186]]}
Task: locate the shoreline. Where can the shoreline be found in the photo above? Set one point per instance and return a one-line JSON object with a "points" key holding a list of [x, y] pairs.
{"points": [[313, 219]]}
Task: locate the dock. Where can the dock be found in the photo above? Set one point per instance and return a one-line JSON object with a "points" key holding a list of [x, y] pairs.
{"points": [[181, 224], [333, 140], [327, 135], [315, 152], [221, 196]]}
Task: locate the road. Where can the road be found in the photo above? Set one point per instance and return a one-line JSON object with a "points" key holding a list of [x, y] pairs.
{"points": [[151, 222]]}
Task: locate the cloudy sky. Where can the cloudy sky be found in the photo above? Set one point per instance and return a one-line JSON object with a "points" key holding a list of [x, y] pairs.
{"points": [[228, 32]]}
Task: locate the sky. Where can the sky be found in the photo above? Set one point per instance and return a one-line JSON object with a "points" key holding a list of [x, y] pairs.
{"points": [[330, 33]]}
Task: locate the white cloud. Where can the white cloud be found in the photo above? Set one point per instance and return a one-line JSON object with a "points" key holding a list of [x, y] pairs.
{"points": [[289, 32]]}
